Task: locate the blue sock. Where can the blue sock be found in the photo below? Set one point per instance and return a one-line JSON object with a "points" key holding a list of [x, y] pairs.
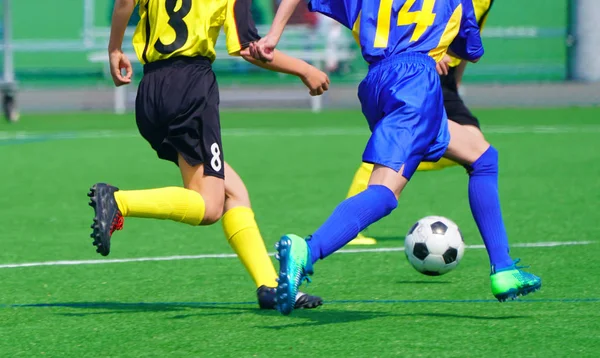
{"points": [[485, 207], [350, 217]]}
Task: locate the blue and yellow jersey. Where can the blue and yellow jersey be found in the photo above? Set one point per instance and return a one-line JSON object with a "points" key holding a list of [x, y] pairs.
{"points": [[384, 28], [169, 28], [482, 9]]}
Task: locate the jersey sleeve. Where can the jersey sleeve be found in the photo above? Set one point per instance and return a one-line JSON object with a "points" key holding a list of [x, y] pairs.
{"points": [[467, 44], [239, 26], [482, 9], [334, 9]]}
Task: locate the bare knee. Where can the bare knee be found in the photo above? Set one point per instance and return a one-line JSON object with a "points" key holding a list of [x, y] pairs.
{"points": [[211, 188], [466, 144], [213, 215], [395, 181], [213, 202]]}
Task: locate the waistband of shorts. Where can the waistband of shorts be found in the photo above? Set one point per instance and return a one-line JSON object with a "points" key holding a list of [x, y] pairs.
{"points": [[406, 57], [175, 61]]}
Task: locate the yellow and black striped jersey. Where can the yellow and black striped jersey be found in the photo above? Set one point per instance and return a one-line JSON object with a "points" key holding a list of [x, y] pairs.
{"points": [[169, 28], [482, 8]]}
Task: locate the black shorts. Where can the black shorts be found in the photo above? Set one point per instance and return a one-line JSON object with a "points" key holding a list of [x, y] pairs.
{"points": [[177, 111], [455, 107]]}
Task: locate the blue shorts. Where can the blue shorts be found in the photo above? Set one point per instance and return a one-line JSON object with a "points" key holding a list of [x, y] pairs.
{"points": [[402, 100]]}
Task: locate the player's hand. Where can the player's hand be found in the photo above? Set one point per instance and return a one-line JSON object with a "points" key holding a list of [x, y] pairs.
{"points": [[317, 81], [118, 63], [264, 49], [443, 66]]}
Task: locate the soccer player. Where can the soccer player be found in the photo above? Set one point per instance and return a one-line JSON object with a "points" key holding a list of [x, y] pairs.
{"points": [[177, 112], [402, 100], [455, 108]]}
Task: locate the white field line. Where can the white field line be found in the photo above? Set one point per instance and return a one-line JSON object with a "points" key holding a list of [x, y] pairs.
{"points": [[229, 256], [290, 132]]}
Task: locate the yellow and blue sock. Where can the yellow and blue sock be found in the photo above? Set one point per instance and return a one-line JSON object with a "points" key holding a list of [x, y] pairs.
{"points": [[485, 207], [243, 235], [349, 218]]}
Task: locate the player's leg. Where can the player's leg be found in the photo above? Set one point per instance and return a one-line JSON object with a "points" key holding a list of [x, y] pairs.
{"points": [[196, 204], [404, 123], [456, 111], [242, 233], [360, 181], [182, 128], [481, 161]]}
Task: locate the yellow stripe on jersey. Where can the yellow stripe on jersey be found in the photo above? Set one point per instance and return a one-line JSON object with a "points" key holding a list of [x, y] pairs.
{"points": [[482, 8], [356, 29], [450, 32], [384, 15], [170, 28]]}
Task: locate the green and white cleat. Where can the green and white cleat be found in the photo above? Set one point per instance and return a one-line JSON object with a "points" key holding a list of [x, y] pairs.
{"points": [[512, 282], [294, 267]]}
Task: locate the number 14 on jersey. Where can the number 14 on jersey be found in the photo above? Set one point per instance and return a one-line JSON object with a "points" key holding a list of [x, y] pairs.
{"points": [[422, 19]]}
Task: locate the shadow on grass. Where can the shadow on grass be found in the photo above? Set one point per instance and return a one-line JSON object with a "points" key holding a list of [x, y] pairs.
{"points": [[101, 308], [328, 316], [422, 282], [299, 318]]}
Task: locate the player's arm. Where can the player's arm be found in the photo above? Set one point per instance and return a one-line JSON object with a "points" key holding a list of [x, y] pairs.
{"points": [[241, 33], [118, 61], [316, 81], [467, 45], [459, 72], [265, 48]]}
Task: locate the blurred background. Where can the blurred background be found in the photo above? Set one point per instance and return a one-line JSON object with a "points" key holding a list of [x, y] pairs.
{"points": [[533, 50]]}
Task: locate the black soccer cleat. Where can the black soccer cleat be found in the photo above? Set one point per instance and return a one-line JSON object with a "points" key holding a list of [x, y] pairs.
{"points": [[107, 216], [267, 295]]}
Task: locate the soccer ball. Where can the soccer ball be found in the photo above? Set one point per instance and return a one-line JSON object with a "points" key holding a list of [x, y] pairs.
{"points": [[434, 245]]}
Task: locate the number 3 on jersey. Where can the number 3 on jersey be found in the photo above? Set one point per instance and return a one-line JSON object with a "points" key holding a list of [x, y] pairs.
{"points": [[178, 25], [423, 19]]}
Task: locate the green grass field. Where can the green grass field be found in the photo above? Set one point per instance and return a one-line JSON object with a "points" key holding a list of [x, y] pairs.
{"points": [[297, 166]]}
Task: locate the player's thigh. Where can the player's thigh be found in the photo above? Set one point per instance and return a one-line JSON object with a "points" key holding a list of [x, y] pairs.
{"points": [[408, 119], [211, 188], [465, 146], [475, 130], [236, 193]]}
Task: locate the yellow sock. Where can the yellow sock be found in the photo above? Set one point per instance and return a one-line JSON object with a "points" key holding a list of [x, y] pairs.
{"points": [[361, 179], [244, 237], [439, 165], [173, 203]]}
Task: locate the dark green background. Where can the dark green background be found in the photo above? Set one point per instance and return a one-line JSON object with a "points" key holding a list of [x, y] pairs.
{"points": [[506, 60]]}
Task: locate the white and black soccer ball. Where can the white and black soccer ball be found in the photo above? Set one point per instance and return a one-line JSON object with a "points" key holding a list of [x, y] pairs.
{"points": [[434, 245]]}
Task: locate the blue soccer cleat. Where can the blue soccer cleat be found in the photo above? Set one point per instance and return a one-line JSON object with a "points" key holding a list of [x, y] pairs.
{"points": [[294, 267], [511, 282]]}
